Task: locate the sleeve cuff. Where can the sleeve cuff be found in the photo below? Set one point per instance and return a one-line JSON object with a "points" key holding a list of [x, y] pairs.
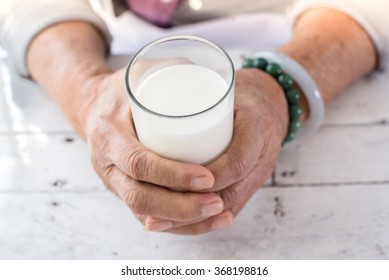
{"points": [[19, 30]]}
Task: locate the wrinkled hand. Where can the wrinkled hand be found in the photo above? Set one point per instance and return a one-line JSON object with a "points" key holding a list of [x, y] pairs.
{"points": [[260, 124], [138, 176], [261, 121]]}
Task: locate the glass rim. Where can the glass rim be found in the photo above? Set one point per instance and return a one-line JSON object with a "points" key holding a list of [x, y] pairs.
{"points": [[152, 44]]}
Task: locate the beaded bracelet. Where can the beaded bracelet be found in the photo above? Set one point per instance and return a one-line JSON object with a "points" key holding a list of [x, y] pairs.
{"points": [[291, 93]]}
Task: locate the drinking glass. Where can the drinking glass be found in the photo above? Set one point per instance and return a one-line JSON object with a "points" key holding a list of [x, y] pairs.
{"points": [[181, 91]]}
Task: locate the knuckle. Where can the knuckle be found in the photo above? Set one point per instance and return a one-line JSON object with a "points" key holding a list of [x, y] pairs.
{"points": [[106, 174], [229, 196], [101, 167], [136, 163], [181, 180], [136, 200], [241, 162], [239, 167]]}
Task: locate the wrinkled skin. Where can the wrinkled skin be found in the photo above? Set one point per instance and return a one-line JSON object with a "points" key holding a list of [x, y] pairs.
{"points": [[68, 60], [210, 195]]}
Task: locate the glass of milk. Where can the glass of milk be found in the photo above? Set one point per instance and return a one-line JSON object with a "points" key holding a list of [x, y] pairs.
{"points": [[181, 91]]}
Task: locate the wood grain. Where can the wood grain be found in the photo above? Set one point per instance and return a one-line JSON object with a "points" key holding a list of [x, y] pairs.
{"points": [[339, 222], [328, 198]]}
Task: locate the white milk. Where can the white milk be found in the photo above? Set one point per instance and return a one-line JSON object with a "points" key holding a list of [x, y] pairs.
{"points": [[182, 90]]}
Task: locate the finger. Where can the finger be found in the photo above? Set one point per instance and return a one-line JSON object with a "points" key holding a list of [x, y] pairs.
{"points": [[158, 224], [234, 197], [218, 222], [147, 199], [143, 165], [237, 195]]}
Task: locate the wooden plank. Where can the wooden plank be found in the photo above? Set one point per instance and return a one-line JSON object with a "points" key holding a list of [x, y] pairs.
{"points": [[278, 223], [43, 162], [365, 102], [357, 154]]}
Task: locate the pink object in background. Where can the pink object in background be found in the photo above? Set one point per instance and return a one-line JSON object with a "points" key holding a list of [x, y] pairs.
{"points": [[158, 12]]}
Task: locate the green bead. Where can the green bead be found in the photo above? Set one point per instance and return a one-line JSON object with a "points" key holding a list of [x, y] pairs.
{"points": [[274, 69], [294, 126], [295, 111], [289, 137], [293, 96], [285, 81], [260, 63], [248, 63]]}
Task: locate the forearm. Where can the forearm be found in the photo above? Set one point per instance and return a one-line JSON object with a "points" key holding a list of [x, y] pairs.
{"points": [[62, 58], [333, 48]]}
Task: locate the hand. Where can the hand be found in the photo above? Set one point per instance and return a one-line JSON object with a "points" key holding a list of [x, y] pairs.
{"points": [[139, 177], [260, 124], [94, 100]]}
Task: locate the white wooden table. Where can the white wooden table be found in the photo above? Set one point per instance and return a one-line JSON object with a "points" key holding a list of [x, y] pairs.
{"points": [[328, 198]]}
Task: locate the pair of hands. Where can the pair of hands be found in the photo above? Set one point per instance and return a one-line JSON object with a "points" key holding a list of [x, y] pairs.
{"points": [[210, 196]]}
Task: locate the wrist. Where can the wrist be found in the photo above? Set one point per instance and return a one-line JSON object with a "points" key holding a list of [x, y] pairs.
{"points": [[85, 99], [330, 57], [63, 58], [288, 74]]}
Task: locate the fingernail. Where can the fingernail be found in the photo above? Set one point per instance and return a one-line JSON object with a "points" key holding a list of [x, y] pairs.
{"points": [[200, 183], [212, 209], [221, 222], [159, 226]]}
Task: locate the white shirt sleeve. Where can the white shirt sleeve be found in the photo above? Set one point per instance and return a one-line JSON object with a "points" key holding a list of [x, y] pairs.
{"points": [[21, 20], [372, 15]]}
